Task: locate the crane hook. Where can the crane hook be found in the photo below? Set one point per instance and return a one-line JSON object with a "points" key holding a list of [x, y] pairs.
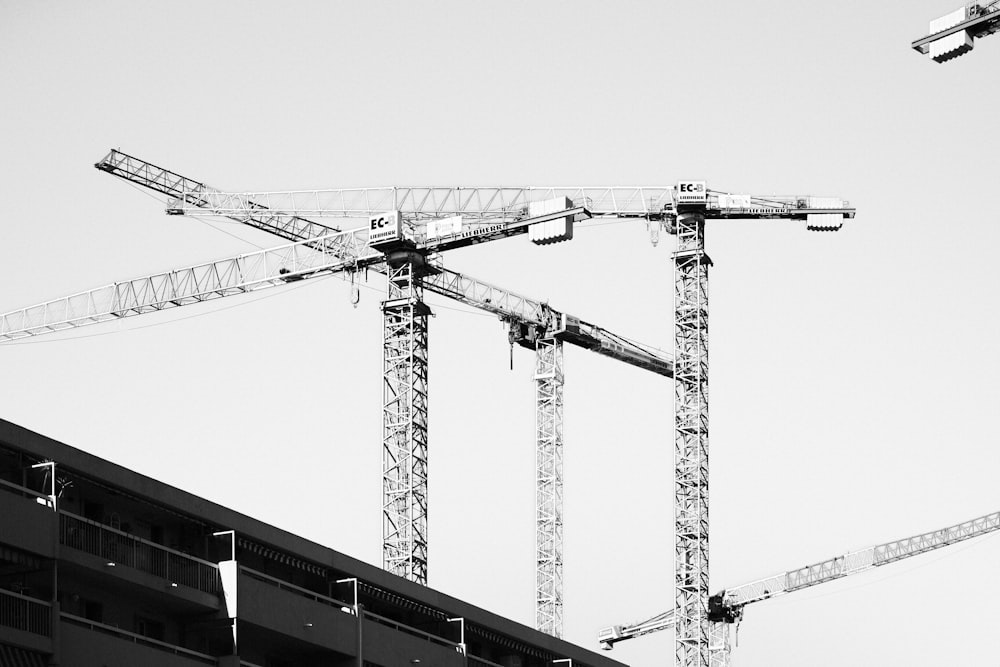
{"points": [[355, 290], [654, 231]]}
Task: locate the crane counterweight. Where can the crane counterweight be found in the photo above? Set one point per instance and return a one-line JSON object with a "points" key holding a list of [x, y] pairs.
{"points": [[954, 34]]}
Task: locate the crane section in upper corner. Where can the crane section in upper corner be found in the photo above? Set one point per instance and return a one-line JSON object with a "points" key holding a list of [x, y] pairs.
{"points": [[953, 34]]}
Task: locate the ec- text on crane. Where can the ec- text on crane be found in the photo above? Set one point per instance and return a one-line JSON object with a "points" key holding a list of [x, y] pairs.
{"points": [[726, 606], [532, 324], [487, 213], [954, 34]]}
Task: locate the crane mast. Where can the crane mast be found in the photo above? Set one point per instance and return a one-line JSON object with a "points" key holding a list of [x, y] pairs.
{"points": [[691, 644], [549, 485], [404, 423]]}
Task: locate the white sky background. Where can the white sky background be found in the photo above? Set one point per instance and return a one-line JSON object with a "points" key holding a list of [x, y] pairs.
{"points": [[854, 375]]}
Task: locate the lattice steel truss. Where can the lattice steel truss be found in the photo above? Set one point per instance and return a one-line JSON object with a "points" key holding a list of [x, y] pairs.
{"points": [[691, 442], [719, 647], [404, 426], [731, 601], [549, 486]]}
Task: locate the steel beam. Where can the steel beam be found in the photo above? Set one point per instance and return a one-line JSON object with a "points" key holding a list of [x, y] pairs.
{"points": [[404, 426], [691, 442], [549, 486]]}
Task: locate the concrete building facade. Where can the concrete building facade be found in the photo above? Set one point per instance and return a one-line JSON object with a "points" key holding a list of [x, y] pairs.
{"points": [[103, 567]]}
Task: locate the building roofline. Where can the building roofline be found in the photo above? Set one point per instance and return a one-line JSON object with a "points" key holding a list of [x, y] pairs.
{"points": [[200, 509]]}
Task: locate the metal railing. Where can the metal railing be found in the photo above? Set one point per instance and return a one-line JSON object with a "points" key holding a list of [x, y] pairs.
{"points": [[292, 588], [23, 613], [401, 627], [125, 550], [481, 662], [24, 492], [340, 604], [139, 639]]}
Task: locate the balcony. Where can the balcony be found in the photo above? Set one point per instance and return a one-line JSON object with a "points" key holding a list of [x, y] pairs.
{"points": [[387, 642], [27, 521], [296, 613], [25, 621], [481, 662], [116, 549], [79, 636], [291, 621]]}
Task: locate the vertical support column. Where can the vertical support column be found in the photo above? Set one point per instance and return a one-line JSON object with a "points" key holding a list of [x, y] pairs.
{"points": [[49, 488], [719, 644], [404, 426], [548, 486], [229, 577], [691, 442]]}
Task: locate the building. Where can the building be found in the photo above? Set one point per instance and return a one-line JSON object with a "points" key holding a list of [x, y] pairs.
{"points": [[103, 567]]}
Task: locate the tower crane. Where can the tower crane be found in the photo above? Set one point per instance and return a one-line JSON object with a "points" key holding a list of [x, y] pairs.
{"points": [[533, 325], [726, 607], [682, 208], [954, 34]]}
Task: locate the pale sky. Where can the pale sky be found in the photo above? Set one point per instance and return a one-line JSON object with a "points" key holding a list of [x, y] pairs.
{"points": [[853, 375]]}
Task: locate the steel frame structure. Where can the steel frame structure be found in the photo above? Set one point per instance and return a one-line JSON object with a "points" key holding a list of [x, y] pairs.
{"points": [[549, 378], [691, 442], [730, 602], [404, 426], [495, 213], [489, 205]]}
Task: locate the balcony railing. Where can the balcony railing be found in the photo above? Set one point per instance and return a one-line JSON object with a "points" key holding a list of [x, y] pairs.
{"points": [[19, 490], [481, 662], [347, 607], [138, 639], [388, 622], [23, 613], [127, 550], [292, 588]]}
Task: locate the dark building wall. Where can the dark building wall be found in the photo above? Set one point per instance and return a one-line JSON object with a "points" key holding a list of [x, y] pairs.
{"points": [[85, 647], [131, 563], [27, 525], [385, 646]]}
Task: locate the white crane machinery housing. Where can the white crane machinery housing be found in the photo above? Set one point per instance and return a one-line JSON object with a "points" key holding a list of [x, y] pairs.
{"points": [[954, 34]]}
